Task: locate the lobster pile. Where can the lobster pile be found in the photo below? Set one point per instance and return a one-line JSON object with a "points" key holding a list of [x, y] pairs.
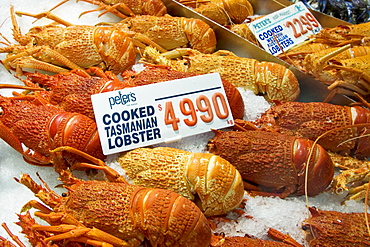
{"points": [[164, 196], [338, 57]]}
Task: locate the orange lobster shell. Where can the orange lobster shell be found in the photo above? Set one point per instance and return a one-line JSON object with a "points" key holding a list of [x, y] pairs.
{"points": [[119, 214], [332, 228], [33, 129], [275, 163], [310, 120], [72, 90]]}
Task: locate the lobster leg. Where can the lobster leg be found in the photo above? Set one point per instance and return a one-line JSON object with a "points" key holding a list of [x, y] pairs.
{"points": [[30, 156], [27, 61], [111, 8], [261, 190], [275, 234], [125, 11], [361, 73], [71, 229], [98, 164], [6, 243], [36, 205]]}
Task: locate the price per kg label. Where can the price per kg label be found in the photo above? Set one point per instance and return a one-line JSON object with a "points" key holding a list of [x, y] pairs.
{"points": [[285, 28], [161, 112]]}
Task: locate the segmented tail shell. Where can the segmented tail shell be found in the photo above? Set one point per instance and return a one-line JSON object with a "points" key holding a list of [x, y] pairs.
{"points": [[216, 183], [115, 48], [200, 35], [168, 219], [276, 81]]}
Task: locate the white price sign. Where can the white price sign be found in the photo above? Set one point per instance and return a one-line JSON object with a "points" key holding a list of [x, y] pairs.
{"points": [[161, 112], [285, 28]]}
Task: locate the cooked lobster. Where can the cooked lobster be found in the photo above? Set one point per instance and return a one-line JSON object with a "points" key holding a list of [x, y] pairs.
{"points": [[332, 228], [346, 126], [272, 80], [274, 163], [213, 182], [72, 90], [33, 128], [116, 213]]}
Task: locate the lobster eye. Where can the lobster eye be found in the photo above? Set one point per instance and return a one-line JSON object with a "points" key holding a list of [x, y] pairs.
{"points": [[64, 194], [304, 228]]}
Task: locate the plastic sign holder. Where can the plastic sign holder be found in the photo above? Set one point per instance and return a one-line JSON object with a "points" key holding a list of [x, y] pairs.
{"points": [[160, 112], [285, 28]]}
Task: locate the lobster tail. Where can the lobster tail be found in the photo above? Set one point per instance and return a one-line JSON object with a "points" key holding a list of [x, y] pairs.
{"points": [[361, 115], [235, 99], [117, 53], [200, 35], [153, 7], [238, 10], [216, 182], [276, 81], [77, 131], [271, 162], [166, 219]]}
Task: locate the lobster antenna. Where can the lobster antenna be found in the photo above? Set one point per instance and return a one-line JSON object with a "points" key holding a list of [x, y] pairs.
{"points": [[283, 5], [59, 4], [2, 36], [45, 14], [363, 101], [307, 165]]}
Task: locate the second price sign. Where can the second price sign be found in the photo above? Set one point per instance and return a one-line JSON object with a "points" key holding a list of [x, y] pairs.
{"points": [[285, 28], [162, 112]]}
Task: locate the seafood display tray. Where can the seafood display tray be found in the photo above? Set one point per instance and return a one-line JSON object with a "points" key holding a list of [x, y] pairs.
{"points": [[311, 89], [13, 195]]}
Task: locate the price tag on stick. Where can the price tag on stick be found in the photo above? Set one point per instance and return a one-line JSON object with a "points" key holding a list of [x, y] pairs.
{"points": [[161, 112], [285, 28]]}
